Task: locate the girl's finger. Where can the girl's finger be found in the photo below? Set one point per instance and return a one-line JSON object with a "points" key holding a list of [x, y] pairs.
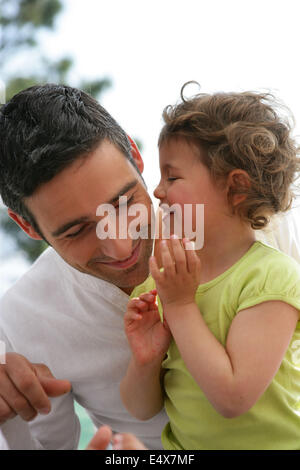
{"points": [[148, 297], [154, 270], [192, 259], [142, 305], [153, 291], [179, 255], [137, 305], [166, 258], [131, 315]]}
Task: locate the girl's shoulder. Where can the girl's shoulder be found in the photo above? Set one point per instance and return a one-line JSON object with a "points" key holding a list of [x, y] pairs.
{"points": [[268, 274], [267, 258]]}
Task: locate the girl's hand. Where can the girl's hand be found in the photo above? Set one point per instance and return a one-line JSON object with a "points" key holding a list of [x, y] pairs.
{"points": [[178, 282], [148, 337]]}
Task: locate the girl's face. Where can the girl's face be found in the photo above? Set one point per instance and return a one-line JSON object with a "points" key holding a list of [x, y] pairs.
{"points": [[185, 180]]}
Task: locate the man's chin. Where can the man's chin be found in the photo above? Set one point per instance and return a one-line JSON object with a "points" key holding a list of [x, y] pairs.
{"points": [[126, 280]]}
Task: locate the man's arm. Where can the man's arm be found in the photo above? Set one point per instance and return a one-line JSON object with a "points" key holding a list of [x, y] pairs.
{"points": [[30, 386], [104, 437], [60, 430], [15, 435]]}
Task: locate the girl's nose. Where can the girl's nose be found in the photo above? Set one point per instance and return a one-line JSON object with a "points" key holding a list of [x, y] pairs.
{"points": [[159, 192]]}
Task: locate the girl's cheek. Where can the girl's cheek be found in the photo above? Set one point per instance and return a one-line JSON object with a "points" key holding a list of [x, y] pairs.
{"points": [[179, 196]]}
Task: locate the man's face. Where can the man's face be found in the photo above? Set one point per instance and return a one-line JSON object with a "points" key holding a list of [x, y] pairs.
{"points": [[65, 209]]}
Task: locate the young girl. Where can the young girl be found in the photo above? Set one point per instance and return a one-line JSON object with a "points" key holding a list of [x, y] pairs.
{"points": [[225, 361]]}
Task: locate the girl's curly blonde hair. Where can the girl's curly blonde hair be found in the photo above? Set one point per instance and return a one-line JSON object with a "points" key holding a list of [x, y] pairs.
{"points": [[240, 131]]}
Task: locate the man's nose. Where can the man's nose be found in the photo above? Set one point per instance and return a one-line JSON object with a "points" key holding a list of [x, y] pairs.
{"points": [[117, 249]]}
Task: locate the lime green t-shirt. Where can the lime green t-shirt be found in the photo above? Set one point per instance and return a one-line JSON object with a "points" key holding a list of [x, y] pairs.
{"points": [[262, 274]]}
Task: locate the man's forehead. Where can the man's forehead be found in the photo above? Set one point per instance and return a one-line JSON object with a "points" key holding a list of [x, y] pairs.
{"points": [[76, 192]]}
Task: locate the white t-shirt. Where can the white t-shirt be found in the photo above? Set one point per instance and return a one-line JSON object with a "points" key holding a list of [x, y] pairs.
{"points": [[73, 323], [284, 232]]}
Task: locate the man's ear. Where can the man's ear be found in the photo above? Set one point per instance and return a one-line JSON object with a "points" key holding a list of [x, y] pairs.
{"points": [[238, 180], [136, 155], [25, 226]]}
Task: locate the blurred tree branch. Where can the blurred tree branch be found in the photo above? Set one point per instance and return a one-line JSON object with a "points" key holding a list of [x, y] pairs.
{"points": [[20, 23], [20, 20]]}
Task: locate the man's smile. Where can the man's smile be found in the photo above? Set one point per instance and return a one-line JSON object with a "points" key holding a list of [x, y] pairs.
{"points": [[128, 262]]}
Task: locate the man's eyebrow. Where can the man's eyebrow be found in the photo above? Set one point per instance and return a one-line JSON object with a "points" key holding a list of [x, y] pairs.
{"points": [[63, 228], [66, 226], [123, 191]]}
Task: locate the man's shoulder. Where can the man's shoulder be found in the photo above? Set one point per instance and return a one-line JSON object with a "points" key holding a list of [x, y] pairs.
{"points": [[46, 269], [284, 233]]}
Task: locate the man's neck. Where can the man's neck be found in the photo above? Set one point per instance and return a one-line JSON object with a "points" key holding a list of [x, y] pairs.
{"points": [[127, 290]]}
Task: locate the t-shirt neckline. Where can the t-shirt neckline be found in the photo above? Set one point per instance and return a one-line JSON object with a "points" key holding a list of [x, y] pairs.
{"points": [[207, 285]]}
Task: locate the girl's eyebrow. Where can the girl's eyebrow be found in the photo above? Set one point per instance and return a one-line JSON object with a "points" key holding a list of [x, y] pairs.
{"points": [[169, 166]]}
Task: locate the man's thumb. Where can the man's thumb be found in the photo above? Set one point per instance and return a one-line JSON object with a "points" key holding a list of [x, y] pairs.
{"points": [[101, 439], [52, 386], [55, 387]]}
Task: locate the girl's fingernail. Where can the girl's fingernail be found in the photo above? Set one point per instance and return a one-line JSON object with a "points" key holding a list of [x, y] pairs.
{"points": [[189, 245], [174, 236]]}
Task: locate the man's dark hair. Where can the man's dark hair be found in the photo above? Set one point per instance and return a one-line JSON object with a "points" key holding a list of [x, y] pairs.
{"points": [[44, 129]]}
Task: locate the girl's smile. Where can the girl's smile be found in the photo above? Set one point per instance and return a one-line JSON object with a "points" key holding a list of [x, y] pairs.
{"points": [[186, 180]]}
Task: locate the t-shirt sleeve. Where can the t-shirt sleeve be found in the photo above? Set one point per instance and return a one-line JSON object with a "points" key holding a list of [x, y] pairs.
{"points": [[60, 429], [275, 278]]}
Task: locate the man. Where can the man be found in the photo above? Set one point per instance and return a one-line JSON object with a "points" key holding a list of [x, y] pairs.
{"points": [[61, 157]]}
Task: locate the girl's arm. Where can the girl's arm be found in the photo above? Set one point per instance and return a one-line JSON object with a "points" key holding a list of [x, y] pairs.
{"points": [[149, 340], [235, 376], [141, 390]]}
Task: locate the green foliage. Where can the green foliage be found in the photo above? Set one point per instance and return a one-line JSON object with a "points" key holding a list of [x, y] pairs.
{"points": [[20, 21], [96, 87], [31, 248], [38, 12], [139, 143]]}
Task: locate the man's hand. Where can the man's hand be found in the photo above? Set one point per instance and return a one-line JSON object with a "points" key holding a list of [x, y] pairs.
{"points": [[25, 388], [104, 437], [101, 439]]}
